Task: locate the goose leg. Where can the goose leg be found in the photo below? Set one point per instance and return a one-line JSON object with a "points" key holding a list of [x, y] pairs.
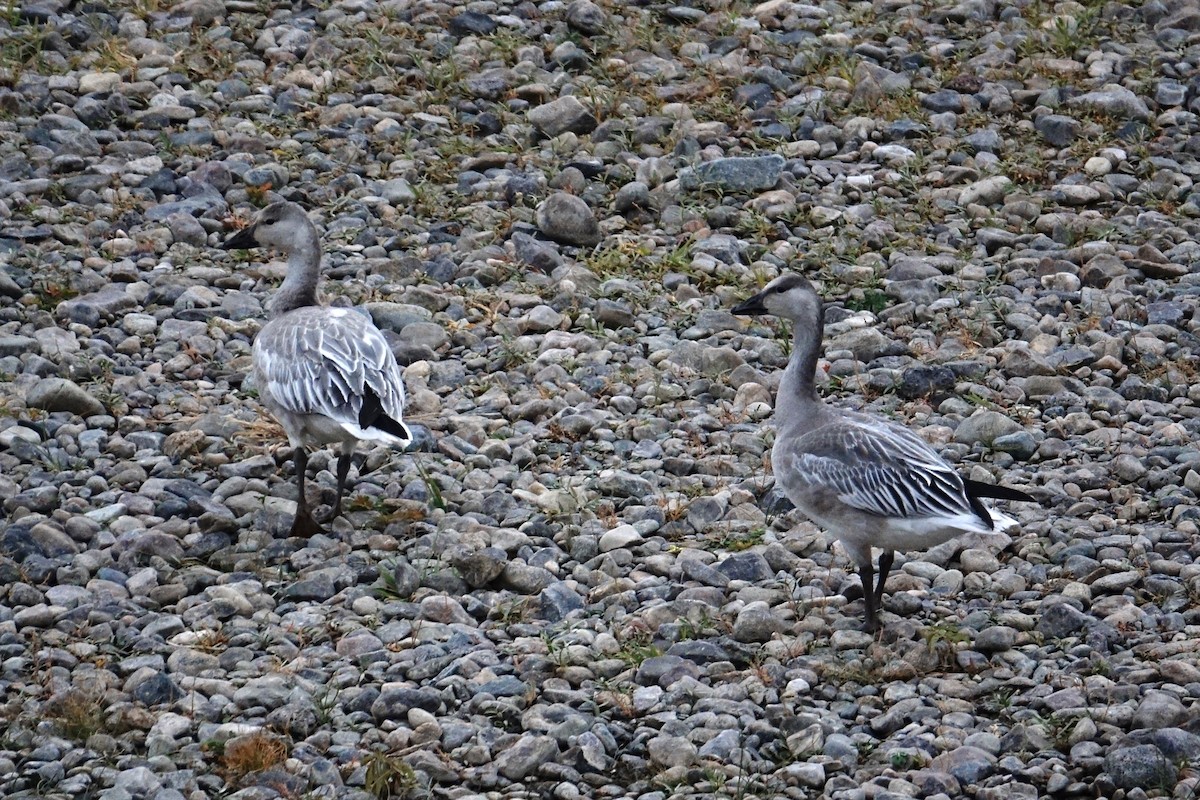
{"points": [[343, 469], [867, 575], [885, 566], [303, 525]]}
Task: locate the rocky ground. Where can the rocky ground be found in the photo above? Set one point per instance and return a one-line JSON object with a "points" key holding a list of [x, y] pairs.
{"points": [[584, 584]]}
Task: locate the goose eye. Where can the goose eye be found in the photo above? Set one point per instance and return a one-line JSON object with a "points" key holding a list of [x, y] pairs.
{"points": [[780, 289]]}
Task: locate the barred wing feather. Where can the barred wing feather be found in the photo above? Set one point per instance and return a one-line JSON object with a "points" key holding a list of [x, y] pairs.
{"points": [[880, 470], [328, 365]]}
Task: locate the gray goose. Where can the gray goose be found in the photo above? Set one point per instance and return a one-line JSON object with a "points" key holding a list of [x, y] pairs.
{"points": [[867, 481], [327, 374]]}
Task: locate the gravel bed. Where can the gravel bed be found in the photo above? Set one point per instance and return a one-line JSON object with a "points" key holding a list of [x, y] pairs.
{"points": [[582, 583]]}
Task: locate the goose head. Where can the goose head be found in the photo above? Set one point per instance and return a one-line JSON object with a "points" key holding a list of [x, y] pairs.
{"points": [[789, 296], [282, 225]]}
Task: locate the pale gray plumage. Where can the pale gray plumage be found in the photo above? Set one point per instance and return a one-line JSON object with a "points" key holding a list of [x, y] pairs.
{"points": [[327, 374], [869, 482]]}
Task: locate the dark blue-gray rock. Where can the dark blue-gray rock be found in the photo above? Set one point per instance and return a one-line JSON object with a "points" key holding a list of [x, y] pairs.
{"points": [[319, 586], [586, 17], [906, 129], [1139, 766], [995, 639], [562, 115], [60, 394], [90, 309], [753, 95], [233, 89], [1176, 744], [931, 782], [923, 381], [504, 686], [1062, 620], [746, 566], [966, 763], [984, 141], [558, 601], [701, 651], [394, 702], [566, 218], [539, 255], [1112, 99], [723, 746], [472, 22], [491, 84], [634, 194], [1166, 312], [942, 101], [156, 690], [665, 670], [1057, 129], [734, 174], [523, 758]]}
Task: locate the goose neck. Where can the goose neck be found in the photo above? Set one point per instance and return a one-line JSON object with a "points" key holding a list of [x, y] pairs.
{"points": [[299, 288]]}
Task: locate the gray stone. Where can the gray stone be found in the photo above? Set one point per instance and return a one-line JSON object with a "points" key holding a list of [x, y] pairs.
{"points": [[988, 191], [1057, 129], [1159, 709], [1140, 766], [867, 344], [481, 567], [558, 601], [671, 751], [108, 303], [995, 639], [562, 115], [943, 100], [523, 758], [984, 427], [1112, 99], [757, 623], [665, 670], [734, 174], [747, 566], [1062, 620], [18, 345], [984, 141], [1021, 444], [966, 763], [635, 194], [187, 229], [472, 22], [568, 219], [924, 381], [60, 394]]}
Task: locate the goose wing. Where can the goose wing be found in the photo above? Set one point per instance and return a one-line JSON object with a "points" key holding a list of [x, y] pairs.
{"points": [[335, 363], [882, 470]]}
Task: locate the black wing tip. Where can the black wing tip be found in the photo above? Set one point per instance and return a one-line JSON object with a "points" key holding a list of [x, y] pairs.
{"points": [[372, 415], [995, 491]]}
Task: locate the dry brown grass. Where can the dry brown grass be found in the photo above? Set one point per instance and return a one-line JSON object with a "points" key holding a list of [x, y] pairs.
{"points": [[254, 752]]}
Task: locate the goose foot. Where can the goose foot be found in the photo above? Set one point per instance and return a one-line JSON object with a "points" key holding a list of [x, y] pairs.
{"points": [[304, 526]]}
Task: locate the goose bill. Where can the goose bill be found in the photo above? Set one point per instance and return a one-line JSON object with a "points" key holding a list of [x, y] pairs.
{"points": [[753, 305], [242, 240]]}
